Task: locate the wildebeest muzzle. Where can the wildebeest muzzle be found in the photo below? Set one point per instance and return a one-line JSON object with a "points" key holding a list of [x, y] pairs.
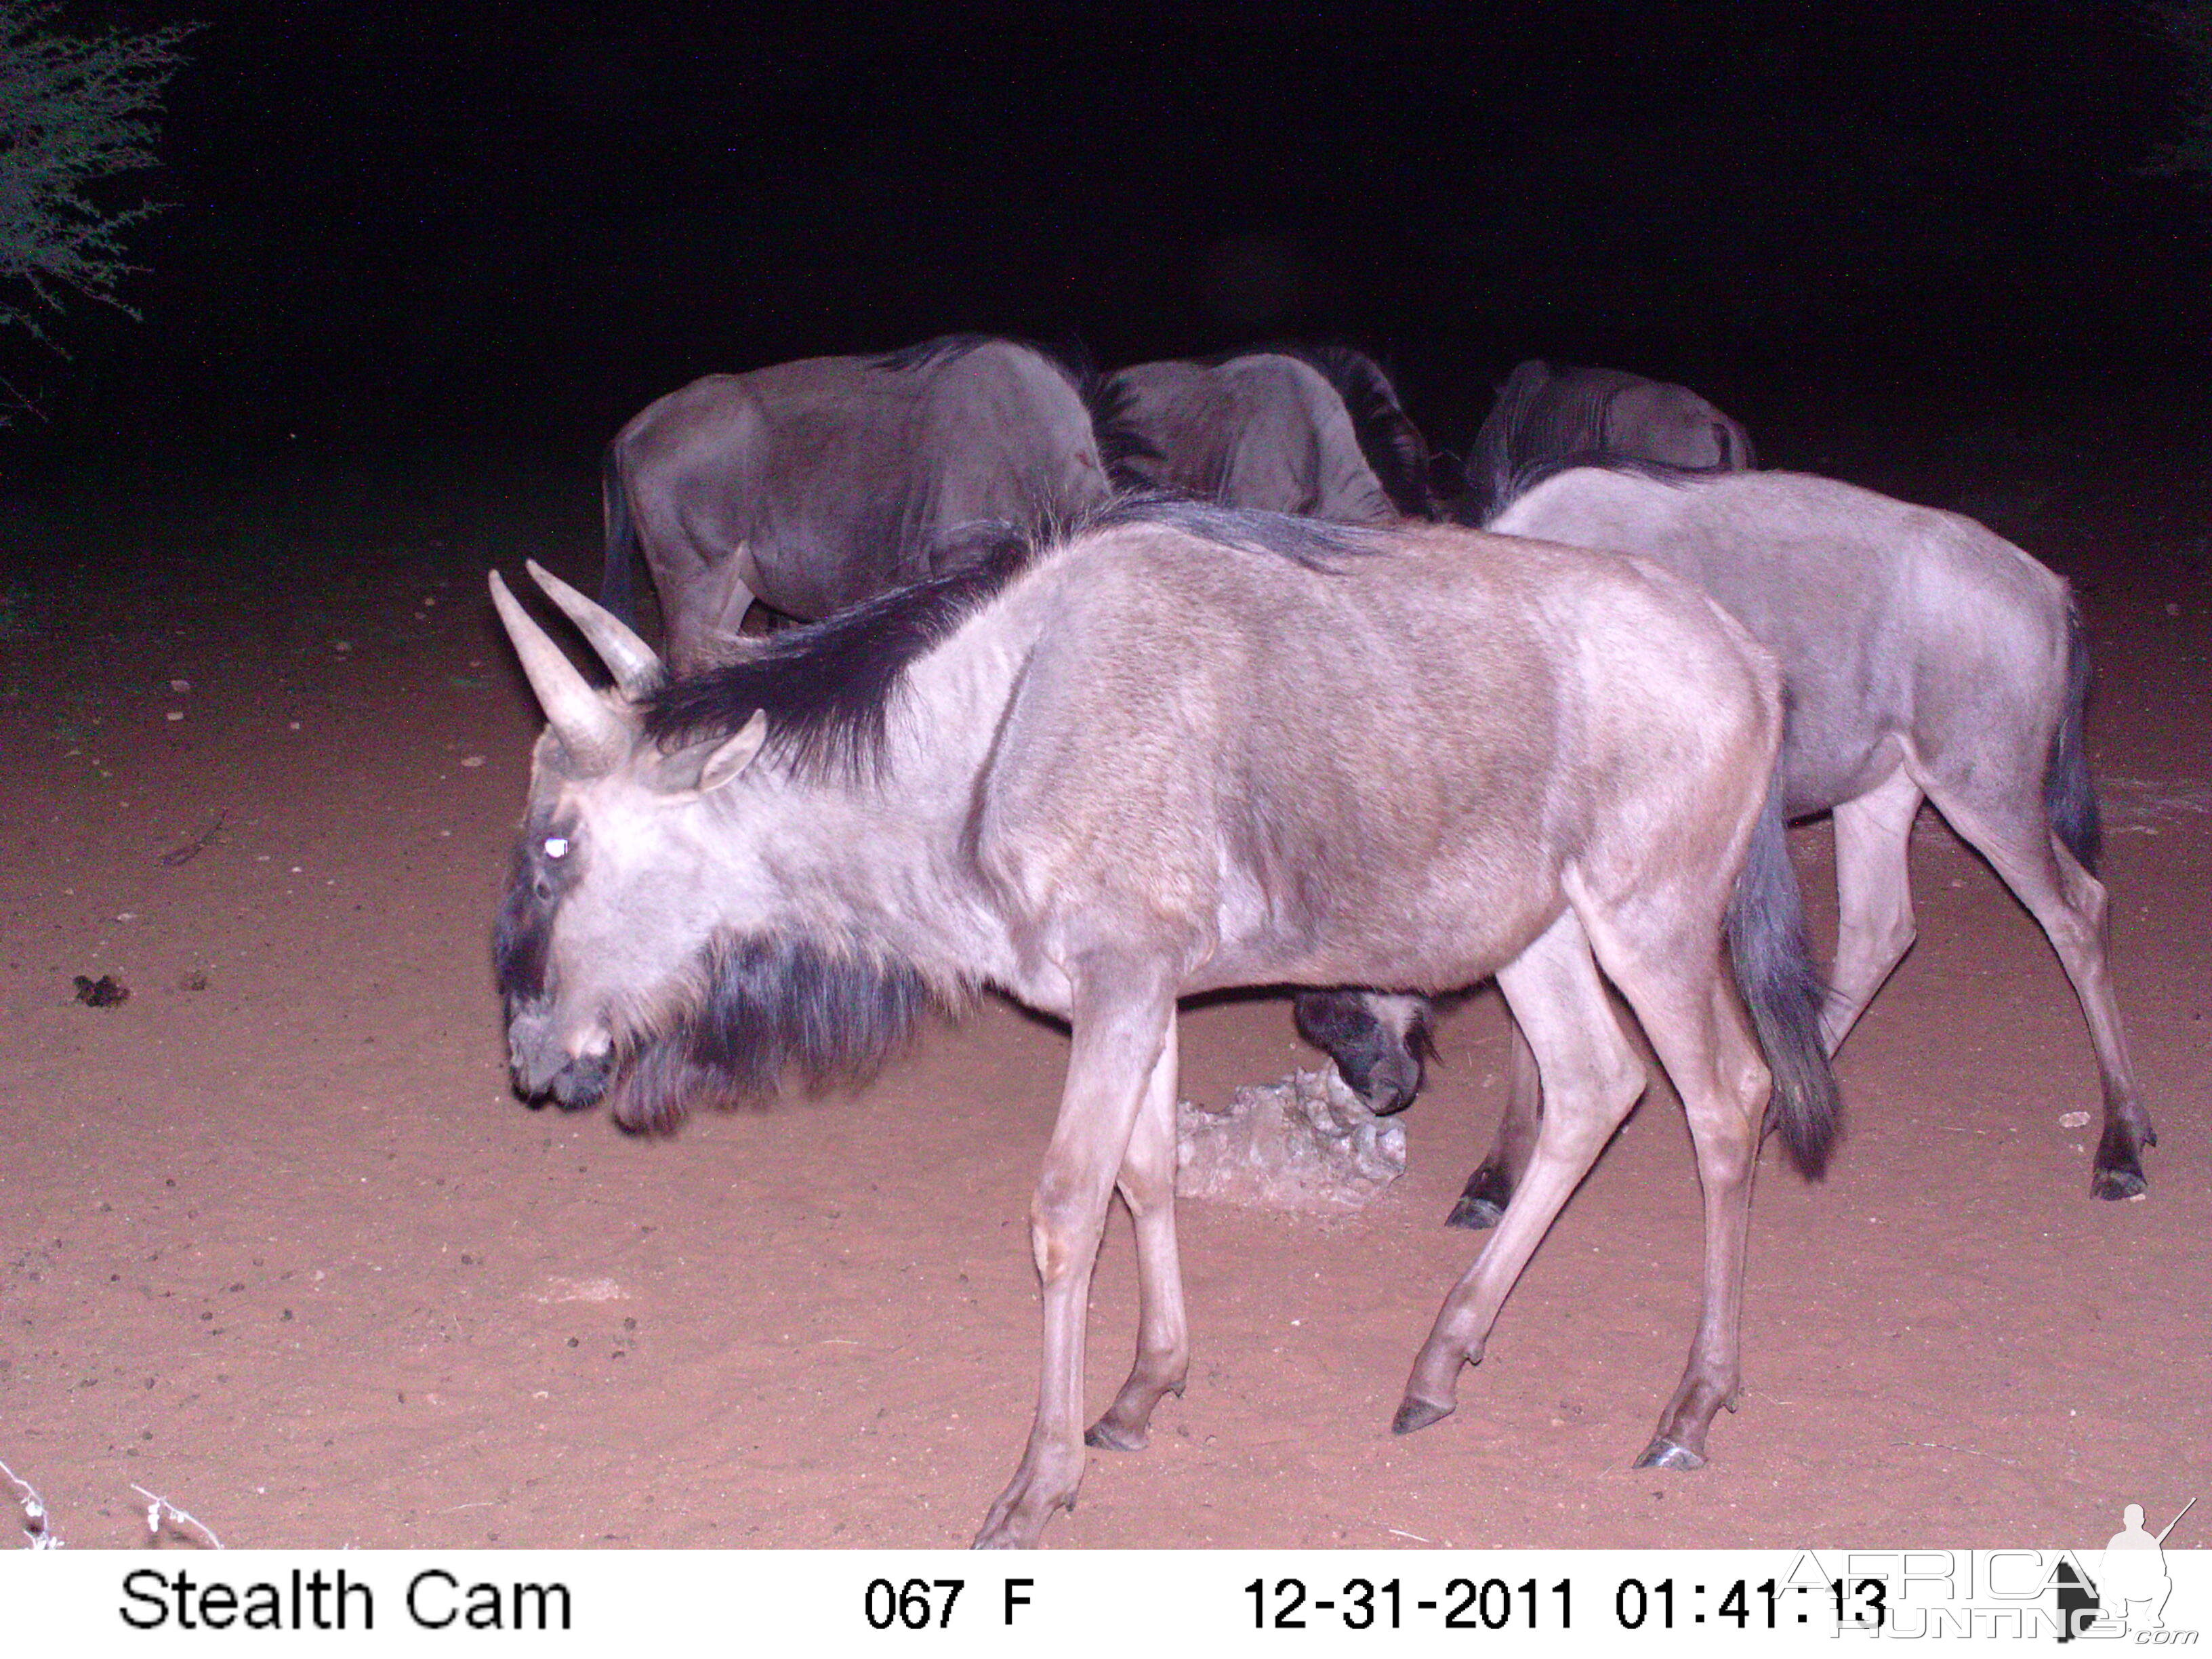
{"points": [[542, 1066]]}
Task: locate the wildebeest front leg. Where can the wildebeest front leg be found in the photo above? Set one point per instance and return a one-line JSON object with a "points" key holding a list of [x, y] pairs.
{"points": [[1591, 1080], [1490, 1188], [1119, 1039], [704, 628], [1147, 1186]]}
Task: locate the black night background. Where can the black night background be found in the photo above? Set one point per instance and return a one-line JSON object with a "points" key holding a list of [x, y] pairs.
{"points": [[405, 227]]}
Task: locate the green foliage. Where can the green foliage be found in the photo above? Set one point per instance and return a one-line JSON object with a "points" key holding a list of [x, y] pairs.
{"points": [[74, 110]]}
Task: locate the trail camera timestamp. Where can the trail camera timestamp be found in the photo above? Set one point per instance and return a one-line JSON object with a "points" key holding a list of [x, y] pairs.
{"points": [[1499, 1604]]}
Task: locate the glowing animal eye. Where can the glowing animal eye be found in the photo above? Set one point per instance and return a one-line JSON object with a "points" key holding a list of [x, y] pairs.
{"points": [[557, 847]]}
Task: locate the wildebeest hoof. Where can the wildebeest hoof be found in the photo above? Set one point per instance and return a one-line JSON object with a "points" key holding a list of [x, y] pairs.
{"points": [[1483, 1203], [1475, 1214], [2116, 1184], [1417, 1414], [1665, 1454], [1104, 1436]]}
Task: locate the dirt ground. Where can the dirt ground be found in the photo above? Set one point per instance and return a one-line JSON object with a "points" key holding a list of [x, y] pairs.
{"points": [[277, 1242]]}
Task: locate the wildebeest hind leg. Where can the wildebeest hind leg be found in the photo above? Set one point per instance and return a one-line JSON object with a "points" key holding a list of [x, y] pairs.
{"points": [[1699, 1029], [2071, 903], [1490, 1188], [1120, 1034], [1147, 1186], [1591, 1079], [1874, 900]]}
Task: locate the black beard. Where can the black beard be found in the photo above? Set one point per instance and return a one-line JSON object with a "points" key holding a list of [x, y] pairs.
{"points": [[774, 1006]]}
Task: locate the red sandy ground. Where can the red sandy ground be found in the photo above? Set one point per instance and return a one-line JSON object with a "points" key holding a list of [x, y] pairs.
{"points": [[277, 1241]]}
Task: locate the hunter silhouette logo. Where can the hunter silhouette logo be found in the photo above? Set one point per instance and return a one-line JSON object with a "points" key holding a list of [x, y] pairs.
{"points": [[2130, 1590]]}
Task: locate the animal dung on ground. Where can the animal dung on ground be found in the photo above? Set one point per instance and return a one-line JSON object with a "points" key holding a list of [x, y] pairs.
{"points": [[106, 991], [1306, 1143]]}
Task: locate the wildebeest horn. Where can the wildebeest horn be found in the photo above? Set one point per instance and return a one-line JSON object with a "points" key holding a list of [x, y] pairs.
{"points": [[595, 736], [628, 658]]}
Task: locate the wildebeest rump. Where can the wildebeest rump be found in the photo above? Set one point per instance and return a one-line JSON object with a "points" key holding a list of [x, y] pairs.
{"points": [[1544, 414], [1926, 657], [1318, 431], [812, 485], [1093, 776]]}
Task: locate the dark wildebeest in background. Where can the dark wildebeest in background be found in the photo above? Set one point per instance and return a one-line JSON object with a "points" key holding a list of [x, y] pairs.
{"points": [[1091, 776], [812, 485], [1316, 431], [1926, 657], [1545, 414]]}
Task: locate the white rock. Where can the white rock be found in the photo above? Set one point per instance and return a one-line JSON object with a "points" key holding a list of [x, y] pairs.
{"points": [[1306, 1143]]}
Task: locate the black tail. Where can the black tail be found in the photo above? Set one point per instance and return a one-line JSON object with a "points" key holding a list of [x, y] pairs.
{"points": [[621, 541], [1774, 971], [1122, 442], [1392, 445], [2070, 796]]}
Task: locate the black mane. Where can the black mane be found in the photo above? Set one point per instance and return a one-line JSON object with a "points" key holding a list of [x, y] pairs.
{"points": [[1317, 544], [923, 353], [827, 687]]}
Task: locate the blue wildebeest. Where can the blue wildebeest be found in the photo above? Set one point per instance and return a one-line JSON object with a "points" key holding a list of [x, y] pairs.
{"points": [[810, 485], [1545, 414], [1316, 431], [1091, 775], [1926, 657], [1320, 433]]}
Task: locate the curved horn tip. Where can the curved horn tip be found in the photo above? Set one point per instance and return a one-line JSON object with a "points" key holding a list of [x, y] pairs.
{"points": [[594, 735], [634, 665], [565, 595]]}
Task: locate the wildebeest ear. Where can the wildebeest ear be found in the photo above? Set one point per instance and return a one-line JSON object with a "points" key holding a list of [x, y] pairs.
{"points": [[735, 754], [725, 761]]}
